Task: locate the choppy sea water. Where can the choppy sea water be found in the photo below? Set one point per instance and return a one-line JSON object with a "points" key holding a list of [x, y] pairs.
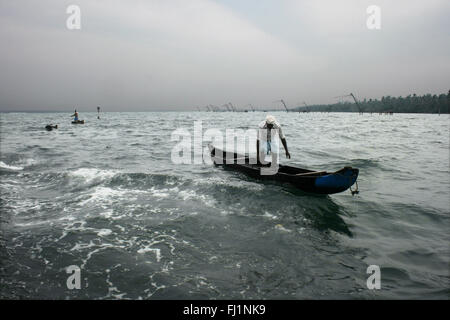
{"points": [[106, 197]]}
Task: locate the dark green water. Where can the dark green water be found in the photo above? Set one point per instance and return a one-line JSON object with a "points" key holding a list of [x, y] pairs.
{"points": [[106, 197]]}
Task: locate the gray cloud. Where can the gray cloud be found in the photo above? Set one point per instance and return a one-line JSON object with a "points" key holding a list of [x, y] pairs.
{"points": [[167, 55]]}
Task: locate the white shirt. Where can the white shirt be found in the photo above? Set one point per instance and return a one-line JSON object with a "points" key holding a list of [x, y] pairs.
{"points": [[264, 135]]}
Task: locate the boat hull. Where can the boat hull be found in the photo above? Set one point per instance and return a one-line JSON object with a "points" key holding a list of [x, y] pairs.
{"points": [[306, 180]]}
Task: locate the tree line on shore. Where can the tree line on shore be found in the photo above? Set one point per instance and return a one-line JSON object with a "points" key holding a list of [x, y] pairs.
{"points": [[427, 103]]}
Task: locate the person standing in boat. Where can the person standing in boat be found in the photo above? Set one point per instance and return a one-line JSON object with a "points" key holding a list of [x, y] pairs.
{"points": [[265, 144], [75, 115]]}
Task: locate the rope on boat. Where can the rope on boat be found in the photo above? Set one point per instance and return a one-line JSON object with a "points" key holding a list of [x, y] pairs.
{"points": [[356, 191]]}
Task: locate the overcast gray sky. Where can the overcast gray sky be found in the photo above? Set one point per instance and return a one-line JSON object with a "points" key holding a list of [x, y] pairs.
{"points": [[184, 54]]}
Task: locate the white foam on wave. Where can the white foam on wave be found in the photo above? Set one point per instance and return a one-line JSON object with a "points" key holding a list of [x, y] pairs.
{"points": [[110, 214], [5, 166], [23, 207], [192, 195], [107, 214], [30, 224], [108, 195], [148, 249], [160, 193], [269, 215], [104, 194], [91, 174], [83, 246], [181, 194], [282, 228], [189, 194], [104, 232]]}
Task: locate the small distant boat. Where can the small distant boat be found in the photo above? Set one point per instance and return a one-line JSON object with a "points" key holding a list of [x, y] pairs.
{"points": [[78, 122], [50, 127], [318, 182]]}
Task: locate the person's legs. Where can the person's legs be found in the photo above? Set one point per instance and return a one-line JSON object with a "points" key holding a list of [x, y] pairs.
{"points": [[262, 152], [273, 168], [275, 150]]}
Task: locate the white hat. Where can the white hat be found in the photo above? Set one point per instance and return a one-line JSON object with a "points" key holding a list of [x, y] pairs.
{"points": [[270, 119]]}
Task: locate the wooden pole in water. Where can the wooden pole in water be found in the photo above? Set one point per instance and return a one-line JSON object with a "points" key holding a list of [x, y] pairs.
{"points": [[356, 101], [287, 110], [226, 106]]}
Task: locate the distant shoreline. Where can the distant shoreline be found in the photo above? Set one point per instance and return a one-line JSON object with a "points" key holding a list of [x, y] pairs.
{"points": [[264, 111], [427, 103], [424, 104]]}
